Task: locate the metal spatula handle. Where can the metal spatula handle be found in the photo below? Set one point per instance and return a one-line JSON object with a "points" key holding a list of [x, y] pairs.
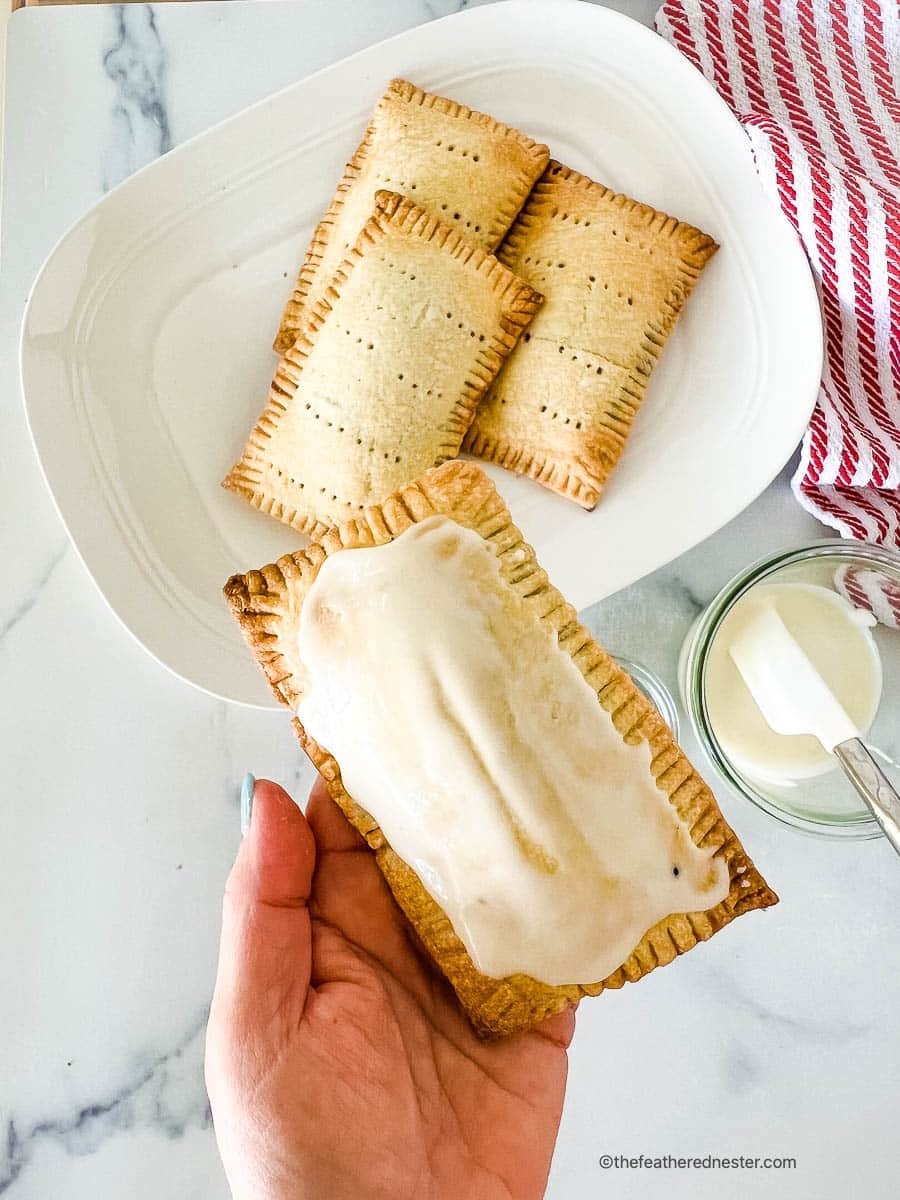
{"points": [[869, 780]]}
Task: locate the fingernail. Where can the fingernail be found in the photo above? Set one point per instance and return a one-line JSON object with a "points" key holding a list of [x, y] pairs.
{"points": [[247, 802]]}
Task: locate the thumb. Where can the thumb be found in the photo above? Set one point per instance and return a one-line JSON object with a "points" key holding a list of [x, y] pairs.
{"points": [[265, 949]]}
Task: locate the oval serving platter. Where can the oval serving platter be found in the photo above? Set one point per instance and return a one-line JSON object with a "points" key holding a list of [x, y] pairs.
{"points": [[146, 343]]}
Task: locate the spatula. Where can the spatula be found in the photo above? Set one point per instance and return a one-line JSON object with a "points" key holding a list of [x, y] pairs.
{"points": [[795, 699]]}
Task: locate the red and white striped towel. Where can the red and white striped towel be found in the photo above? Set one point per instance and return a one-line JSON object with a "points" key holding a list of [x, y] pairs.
{"points": [[816, 85]]}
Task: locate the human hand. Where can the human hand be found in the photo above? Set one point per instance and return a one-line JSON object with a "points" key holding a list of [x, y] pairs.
{"points": [[338, 1063]]}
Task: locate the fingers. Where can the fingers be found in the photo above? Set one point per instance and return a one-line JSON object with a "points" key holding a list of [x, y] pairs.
{"points": [[265, 948], [560, 1028], [333, 832], [351, 896], [279, 850]]}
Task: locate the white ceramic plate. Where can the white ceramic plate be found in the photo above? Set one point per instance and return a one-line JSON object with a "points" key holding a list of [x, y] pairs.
{"points": [[145, 352]]}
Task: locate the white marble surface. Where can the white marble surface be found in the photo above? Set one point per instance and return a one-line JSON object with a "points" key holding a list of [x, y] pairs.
{"points": [[119, 813]]}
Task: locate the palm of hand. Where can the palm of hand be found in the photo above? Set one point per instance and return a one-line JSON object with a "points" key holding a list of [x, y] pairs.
{"points": [[357, 1075]]}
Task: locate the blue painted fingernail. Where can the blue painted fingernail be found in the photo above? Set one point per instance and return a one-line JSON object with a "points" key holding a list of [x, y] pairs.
{"points": [[247, 802]]}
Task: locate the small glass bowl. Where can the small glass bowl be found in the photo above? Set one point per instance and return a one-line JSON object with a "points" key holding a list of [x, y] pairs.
{"points": [[869, 577]]}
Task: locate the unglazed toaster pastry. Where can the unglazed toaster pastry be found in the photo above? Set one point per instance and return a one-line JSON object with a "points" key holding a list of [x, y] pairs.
{"points": [[615, 275], [387, 374], [526, 804], [468, 169]]}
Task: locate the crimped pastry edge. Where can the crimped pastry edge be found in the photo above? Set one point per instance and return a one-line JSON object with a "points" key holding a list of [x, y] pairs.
{"points": [[574, 477], [404, 92], [267, 603], [519, 302]]}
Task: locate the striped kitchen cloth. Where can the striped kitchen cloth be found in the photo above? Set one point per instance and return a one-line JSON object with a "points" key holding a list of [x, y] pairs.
{"points": [[816, 85]]}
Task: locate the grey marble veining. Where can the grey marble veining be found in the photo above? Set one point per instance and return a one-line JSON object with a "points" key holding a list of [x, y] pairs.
{"points": [[167, 1094], [135, 62], [24, 601], [119, 818]]}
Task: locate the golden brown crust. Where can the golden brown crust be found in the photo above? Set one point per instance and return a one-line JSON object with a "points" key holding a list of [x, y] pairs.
{"points": [[267, 604], [410, 146], [616, 275], [385, 378]]}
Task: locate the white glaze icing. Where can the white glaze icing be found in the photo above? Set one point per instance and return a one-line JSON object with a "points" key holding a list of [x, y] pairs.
{"points": [[475, 742]]}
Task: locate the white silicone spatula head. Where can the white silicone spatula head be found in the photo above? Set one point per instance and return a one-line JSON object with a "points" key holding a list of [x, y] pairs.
{"points": [[794, 698], [789, 691]]}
